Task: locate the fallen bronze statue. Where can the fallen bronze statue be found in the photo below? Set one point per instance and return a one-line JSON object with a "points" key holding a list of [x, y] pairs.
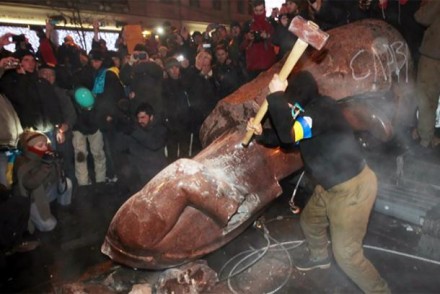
{"points": [[195, 206]]}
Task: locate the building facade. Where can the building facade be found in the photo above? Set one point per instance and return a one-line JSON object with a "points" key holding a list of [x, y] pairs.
{"points": [[112, 14]]}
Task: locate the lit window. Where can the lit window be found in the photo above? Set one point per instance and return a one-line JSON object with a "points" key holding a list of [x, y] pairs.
{"points": [[109, 37]]}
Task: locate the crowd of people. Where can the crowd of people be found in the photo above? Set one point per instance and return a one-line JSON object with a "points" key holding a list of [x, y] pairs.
{"points": [[138, 111]]}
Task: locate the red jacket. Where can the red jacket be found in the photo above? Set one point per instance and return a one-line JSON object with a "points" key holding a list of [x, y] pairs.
{"points": [[259, 55]]}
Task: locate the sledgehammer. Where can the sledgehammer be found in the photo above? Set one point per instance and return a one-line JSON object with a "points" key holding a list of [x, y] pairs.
{"points": [[308, 33]]}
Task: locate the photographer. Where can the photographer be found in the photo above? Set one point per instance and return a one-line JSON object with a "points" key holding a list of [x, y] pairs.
{"points": [[39, 176], [258, 47], [144, 79]]}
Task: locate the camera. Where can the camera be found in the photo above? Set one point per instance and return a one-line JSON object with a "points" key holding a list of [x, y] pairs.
{"points": [[206, 45], [257, 36], [140, 56], [12, 64], [18, 38], [50, 157]]}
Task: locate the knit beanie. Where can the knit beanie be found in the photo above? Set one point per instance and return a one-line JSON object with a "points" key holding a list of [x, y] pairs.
{"points": [[34, 138]]}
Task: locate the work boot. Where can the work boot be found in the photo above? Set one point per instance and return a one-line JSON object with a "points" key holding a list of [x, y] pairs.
{"points": [[308, 263]]}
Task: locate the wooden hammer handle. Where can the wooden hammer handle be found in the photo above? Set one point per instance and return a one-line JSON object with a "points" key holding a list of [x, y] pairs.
{"points": [[294, 55]]}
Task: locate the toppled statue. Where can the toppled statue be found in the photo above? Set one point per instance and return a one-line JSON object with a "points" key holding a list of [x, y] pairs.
{"points": [[195, 206]]}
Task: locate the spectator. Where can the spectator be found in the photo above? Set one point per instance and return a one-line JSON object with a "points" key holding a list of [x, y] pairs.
{"points": [[39, 177], [428, 74], [197, 42], [177, 111], [98, 43], [163, 52], [144, 78], [227, 76], [69, 62], [86, 131], [283, 38], [222, 37], [235, 53], [116, 60], [328, 14], [46, 50], [108, 90], [260, 53], [64, 135], [121, 44], [85, 75], [33, 98], [294, 8], [146, 147], [152, 45], [202, 94]]}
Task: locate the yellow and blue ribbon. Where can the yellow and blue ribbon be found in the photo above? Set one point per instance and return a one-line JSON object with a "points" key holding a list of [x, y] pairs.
{"points": [[302, 128]]}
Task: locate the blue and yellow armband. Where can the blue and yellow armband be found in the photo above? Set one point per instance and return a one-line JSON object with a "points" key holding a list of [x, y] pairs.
{"points": [[302, 128]]}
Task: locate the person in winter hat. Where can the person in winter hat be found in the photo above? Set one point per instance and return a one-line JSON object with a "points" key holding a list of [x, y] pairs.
{"points": [[38, 175]]}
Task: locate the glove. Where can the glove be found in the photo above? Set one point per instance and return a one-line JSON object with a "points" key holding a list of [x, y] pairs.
{"points": [[51, 157], [48, 158]]}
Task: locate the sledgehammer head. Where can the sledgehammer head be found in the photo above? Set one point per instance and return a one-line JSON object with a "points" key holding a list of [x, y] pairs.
{"points": [[308, 32]]}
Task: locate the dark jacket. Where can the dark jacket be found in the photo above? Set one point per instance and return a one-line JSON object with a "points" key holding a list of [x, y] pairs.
{"points": [[34, 100], [227, 78], [145, 147], [86, 121], [332, 14], [145, 80], [106, 102], [284, 39], [203, 96], [331, 154], [177, 104]]}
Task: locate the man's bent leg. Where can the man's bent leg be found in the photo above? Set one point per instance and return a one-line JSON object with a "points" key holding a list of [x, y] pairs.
{"points": [[80, 148], [96, 142], [314, 224], [350, 205]]}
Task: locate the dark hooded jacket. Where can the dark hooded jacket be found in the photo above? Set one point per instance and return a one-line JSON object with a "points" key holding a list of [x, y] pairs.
{"points": [[34, 100], [330, 153]]}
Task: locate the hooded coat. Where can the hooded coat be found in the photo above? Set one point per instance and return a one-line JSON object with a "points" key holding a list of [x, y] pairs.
{"points": [[33, 176], [328, 147]]}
